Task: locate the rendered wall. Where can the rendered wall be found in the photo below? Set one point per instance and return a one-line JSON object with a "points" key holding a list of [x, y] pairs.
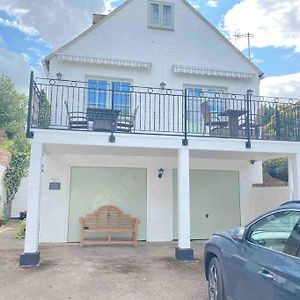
{"points": [[55, 204]]}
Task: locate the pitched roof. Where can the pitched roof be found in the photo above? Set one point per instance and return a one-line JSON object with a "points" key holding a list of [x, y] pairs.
{"points": [[103, 19]]}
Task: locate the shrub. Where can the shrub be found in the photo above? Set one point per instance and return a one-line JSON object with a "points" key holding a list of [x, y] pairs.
{"points": [[44, 111], [277, 168], [21, 230]]}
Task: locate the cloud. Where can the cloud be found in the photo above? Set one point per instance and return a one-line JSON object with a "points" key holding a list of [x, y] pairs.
{"points": [[15, 66], [58, 21], [108, 6], [273, 23], [18, 25], [212, 3], [285, 86]]}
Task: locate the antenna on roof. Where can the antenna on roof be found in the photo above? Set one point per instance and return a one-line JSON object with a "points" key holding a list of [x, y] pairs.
{"points": [[248, 36]]}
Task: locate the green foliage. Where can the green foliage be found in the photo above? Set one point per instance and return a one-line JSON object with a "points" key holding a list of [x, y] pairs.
{"points": [[282, 122], [21, 230], [13, 112], [16, 169], [44, 111], [277, 168], [3, 218], [13, 106]]}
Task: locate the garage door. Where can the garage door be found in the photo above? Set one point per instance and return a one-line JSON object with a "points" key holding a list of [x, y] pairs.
{"points": [[214, 200], [93, 187]]}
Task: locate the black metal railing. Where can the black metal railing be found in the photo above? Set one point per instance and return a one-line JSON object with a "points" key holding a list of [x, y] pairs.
{"points": [[78, 105]]}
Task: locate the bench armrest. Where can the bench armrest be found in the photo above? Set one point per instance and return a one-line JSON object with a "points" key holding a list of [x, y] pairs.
{"points": [[136, 223]]}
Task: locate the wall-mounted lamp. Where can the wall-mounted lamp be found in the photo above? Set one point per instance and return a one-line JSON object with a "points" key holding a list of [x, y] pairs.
{"points": [[161, 172], [252, 161], [162, 85], [59, 76]]}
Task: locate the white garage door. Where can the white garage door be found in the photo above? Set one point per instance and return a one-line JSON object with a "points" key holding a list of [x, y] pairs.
{"points": [[214, 200], [93, 187]]}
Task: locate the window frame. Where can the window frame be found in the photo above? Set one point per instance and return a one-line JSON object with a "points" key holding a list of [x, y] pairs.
{"points": [[193, 125], [160, 15], [109, 92], [247, 229]]}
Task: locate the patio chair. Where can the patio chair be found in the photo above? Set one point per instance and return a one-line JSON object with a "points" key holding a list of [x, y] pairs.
{"points": [[126, 122], [256, 123], [212, 119], [76, 119]]}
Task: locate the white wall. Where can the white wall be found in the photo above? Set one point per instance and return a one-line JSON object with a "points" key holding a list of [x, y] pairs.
{"points": [[2, 188], [19, 203], [262, 199], [54, 204], [125, 35]]}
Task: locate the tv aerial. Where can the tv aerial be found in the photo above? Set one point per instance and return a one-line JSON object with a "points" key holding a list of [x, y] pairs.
{"points": [[248, 36]]}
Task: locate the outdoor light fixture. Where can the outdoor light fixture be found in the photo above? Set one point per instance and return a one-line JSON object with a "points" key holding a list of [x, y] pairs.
{"points": [[252, 161], [59, 76], [161, 172], [162, 85]]}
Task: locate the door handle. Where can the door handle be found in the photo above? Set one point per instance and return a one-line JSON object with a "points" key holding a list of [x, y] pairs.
{"points": [[265, 274]]}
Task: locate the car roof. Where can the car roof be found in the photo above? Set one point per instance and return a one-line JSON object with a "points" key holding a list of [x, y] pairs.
{"points": [[291, 204]]}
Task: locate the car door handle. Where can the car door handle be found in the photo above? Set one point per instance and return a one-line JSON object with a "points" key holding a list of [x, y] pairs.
{"points": [[265, 274]]}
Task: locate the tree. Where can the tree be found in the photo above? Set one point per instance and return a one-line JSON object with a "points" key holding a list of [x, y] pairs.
{"points": [[13, 112], [13, 106]]}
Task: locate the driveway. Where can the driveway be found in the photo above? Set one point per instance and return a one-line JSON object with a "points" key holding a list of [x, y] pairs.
{"points": [[67, 271]]}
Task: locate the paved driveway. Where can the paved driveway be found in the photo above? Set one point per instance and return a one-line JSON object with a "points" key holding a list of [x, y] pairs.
{"points": [[148, 271]]}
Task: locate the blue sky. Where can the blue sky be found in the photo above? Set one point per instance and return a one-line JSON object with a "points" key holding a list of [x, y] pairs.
{"points": [[29, 30]]}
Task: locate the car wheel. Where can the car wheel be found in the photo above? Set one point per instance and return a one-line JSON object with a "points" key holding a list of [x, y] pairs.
{"points": [[215, 280]]}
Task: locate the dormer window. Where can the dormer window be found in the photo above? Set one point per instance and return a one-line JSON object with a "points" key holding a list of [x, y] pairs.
{"points": [[161, 15]]}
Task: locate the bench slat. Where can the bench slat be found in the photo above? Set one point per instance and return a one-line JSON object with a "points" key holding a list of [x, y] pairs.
{"points": [[108, 219]]}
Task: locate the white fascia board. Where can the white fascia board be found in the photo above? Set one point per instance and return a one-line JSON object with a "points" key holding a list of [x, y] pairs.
{"points": [[163, 142]]}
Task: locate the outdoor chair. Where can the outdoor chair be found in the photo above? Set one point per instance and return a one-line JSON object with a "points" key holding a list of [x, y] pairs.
{"points": [[76, 119], [126, 122], [255, 123], [211, 113]]}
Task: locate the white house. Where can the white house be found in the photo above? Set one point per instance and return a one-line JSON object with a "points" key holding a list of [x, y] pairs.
{"points": [[169, 130]]}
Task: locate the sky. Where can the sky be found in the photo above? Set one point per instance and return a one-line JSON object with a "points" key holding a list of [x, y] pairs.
{"points": [[31, 29]]}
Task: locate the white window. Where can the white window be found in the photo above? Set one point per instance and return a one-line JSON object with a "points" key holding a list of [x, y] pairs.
{"points": [[161, 15], [197, 96], [111, 94]]}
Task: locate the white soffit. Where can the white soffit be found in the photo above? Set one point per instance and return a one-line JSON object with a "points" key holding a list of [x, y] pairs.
{"points": [[104, 61], [211, 72]]}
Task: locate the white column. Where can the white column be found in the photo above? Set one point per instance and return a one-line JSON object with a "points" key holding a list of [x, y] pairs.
{"points": [[33, 200], [184, 231], [294, 176]]}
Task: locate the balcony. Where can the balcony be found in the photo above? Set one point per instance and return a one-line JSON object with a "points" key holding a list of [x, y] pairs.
{"points": [[82, 106]]}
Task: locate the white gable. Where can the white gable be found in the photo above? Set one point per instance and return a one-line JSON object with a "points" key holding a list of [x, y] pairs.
{"points": [[194, 43]]}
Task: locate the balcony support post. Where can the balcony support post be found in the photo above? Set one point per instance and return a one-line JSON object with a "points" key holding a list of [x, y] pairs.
{"points": [[184, 251], [294, 176], [31, 255]]}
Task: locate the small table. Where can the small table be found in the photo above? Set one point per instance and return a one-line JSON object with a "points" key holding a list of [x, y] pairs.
{"points": [[233, 120], [103, 119]]}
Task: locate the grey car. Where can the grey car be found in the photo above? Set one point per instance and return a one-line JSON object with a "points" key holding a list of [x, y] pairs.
{"points": [[258, 261]]}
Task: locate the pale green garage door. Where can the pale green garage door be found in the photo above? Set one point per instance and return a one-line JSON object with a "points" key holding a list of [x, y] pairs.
{"points": [[215, 204], [93, 187]]}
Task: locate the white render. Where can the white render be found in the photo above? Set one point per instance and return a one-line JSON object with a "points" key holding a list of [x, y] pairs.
{"points": [[124, 36], [33, 200], [64, 150], [19, 203], [184, 227], [294, 176]]}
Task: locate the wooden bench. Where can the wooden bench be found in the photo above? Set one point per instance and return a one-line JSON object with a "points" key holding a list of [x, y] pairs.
{"points": [[108, 219]]}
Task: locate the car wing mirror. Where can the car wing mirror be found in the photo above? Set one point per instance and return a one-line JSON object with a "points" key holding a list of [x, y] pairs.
{"points": [[238, 234]]}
